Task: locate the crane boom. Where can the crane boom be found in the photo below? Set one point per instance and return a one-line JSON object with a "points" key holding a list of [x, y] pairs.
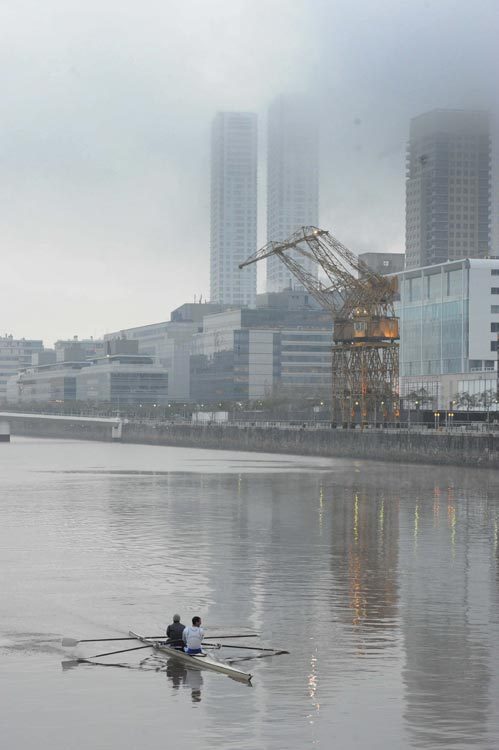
{"points": [[350, 282]]}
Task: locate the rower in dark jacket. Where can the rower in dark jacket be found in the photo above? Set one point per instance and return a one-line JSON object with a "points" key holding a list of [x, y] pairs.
{"points": [[174, 633]]}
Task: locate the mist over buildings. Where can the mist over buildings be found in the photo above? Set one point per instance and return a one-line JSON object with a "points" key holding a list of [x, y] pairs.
{"points": [[105, 134]]}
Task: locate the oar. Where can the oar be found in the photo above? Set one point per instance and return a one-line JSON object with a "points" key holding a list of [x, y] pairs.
{"points": [[250, 635], [74, 642], [248, 648], [68, 642], [257, 656], [108, 653]]}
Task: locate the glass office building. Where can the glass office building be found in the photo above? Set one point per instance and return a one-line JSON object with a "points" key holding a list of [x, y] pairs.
{"points": [[449, 323], [449, 317]]}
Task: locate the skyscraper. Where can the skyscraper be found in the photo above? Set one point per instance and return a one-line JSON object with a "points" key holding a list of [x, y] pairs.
{"points": [[494, 229], [448, 187], [233, 207], [292, 178]]}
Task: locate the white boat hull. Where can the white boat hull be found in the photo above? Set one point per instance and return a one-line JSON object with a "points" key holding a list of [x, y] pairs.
{"points": [[194, 660]]}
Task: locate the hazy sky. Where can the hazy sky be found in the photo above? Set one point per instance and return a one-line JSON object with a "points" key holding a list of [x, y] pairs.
{"points": [[104, 145]]}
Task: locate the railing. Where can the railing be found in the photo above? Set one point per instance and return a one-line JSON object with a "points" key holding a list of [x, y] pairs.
{"points": [[282, 424], [437, 427]]}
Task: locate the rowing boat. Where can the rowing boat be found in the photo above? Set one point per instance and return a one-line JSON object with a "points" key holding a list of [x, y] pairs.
{"points": [[198, 661]]}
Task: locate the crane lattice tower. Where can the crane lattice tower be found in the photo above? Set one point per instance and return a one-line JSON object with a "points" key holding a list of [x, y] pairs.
{"points": [[365, 352]]}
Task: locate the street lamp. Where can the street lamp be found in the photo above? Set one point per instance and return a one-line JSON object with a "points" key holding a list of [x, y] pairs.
{"points": [[436, 415], [494, 410]]}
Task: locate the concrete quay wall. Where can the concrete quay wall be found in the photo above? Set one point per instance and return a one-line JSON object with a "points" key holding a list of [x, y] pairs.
{"points": [[429, 447], [400, 445]]}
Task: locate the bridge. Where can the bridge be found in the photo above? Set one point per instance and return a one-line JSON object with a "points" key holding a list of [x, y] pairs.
{"points": [[115, 422]]}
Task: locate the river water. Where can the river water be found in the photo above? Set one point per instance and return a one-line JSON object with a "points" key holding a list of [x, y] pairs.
{"points": [[381, 580]]}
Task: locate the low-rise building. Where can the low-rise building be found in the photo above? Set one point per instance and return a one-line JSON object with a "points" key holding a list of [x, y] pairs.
{"points": [[282, 346], [169, 343], [15, 354], [121, 377], [76, 349], [46, 383]]}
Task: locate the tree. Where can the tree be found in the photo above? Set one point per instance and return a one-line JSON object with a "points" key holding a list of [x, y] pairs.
{"points": [[419, 398]]}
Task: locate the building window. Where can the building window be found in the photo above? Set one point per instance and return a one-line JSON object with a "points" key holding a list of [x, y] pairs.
{"points": [[494, 327], [494, 272], [494, 309], [493, 346], [494, 290]]}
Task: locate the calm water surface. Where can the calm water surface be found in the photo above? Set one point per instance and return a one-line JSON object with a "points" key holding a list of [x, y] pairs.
{"points": [[382, 581]]}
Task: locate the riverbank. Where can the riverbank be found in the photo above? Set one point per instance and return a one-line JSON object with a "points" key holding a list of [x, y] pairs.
{"points": [[407, 446]]}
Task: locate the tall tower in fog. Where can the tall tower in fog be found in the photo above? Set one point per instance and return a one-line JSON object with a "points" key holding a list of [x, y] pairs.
{"points": [[448, 187], [233, 207], [292, 178], [494, 230]]}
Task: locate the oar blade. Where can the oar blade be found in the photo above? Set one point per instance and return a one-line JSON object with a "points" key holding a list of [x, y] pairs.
{"points": [[121, 651], [246, 635], [69, 642], [70, 663], [248, 648], [74, 642]]}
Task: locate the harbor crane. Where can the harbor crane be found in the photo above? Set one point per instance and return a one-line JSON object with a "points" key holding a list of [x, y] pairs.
{"points": [[365, 351]]}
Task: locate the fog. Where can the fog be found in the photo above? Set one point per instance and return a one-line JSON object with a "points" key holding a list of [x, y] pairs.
{"points": [[106, 111]]}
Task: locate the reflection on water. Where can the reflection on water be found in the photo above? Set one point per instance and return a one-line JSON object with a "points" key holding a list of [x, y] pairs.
{"points": [[382, 581], [179, 675], [194, 680], [450, 656], [176, 671]]}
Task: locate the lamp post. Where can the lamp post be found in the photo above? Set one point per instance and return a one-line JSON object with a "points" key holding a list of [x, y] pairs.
{"points": [[436, 416]]}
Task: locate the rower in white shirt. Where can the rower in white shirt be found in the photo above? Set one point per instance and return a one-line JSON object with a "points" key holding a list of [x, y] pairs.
{"points": [[193, 637]]}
